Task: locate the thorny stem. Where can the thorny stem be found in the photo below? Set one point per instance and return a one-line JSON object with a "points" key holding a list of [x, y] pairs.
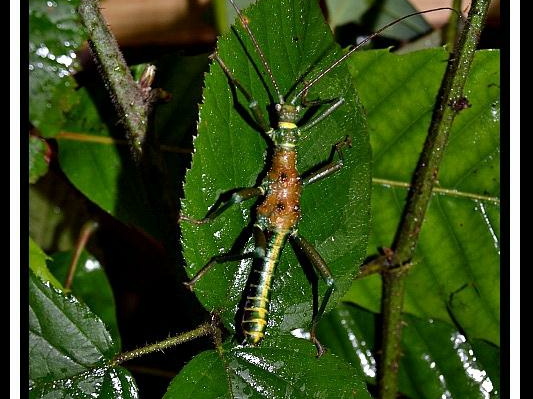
{"points": [[125, 92], [202, 330], [452, 28], [134, 103], [449, 104], [86, 231], [372, 267]]}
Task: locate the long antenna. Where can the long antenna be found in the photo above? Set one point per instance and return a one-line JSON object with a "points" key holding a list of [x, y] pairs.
{"points": [[358, 46], [244, 23]]}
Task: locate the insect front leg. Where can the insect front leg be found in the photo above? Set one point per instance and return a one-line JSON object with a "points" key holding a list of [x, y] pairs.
{"points": [[258, 252], [332, 166], [322, 268], [236, 198], [327, 112], [252, 102]]}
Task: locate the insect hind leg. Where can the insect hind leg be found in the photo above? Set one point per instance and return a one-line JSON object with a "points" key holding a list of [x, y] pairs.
{"points": [[258, 252], [320, 265], [236, 198], [214, 261]]}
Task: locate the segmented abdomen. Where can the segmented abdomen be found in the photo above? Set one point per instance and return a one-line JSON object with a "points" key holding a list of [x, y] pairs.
{"points": [[257, 302]]}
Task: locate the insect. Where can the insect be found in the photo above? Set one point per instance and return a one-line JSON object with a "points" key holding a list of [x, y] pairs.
{"points": [[278, 213]]}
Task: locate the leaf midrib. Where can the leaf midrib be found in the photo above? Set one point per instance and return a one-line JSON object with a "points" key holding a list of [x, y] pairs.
{"points": [[440, 190]]}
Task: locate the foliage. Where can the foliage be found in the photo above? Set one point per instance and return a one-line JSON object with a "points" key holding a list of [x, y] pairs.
{"points": [[80, 167]]}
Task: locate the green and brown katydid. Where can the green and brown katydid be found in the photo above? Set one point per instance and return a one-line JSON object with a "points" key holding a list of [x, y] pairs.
{"points": [[278, 214]]}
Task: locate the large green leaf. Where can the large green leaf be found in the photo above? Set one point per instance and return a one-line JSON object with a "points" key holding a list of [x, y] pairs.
{"points": [[230, 153], [282, 368], [456, 272], [375, 14], [437, 360], [55, 35], [90, 285], [70, 349]]}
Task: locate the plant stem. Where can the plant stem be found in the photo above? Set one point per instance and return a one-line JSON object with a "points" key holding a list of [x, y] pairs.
{"points": [[125, 92], [202, 330], [134, 103], [450, 103], [220, 10], [372, 267], [86, 231], [452, 28]]}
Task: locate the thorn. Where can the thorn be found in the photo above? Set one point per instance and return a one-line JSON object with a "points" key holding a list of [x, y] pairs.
{"points": [[189, 285], [319, 348], [460, 104], [388, 253]]}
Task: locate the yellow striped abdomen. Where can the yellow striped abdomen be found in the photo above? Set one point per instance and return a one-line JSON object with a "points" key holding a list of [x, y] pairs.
{"points": [[257, 302]]}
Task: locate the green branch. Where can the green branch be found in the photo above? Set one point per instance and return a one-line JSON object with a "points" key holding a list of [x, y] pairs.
{"points": [[86, 232], [451, 102], [451, 29], [202, 330]]}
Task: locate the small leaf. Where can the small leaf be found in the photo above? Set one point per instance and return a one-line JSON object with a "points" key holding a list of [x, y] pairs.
{"points": [[57, 213], [89, 285], [437, 361], [376, 14], [231, 153], [38, 265], [138, 70], [456, 272], [100, 169], [70, 348], [37, 154], [287, 368], [55, 35]]}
